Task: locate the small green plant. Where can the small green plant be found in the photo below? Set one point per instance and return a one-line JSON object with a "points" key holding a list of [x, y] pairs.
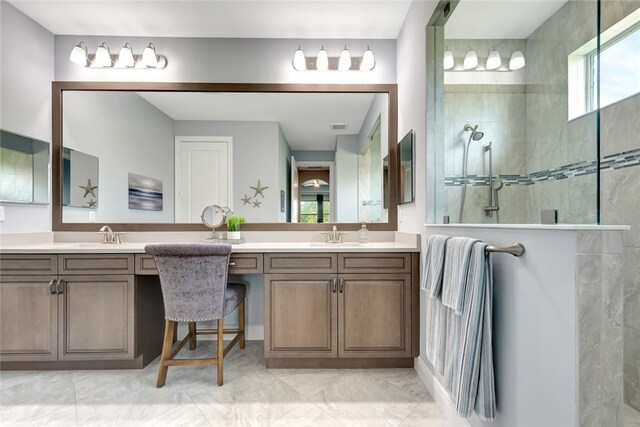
{"points": [[234, 221]]}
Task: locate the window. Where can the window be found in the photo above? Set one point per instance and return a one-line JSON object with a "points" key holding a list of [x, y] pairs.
{"points": [[314, 210], [619, 68]]}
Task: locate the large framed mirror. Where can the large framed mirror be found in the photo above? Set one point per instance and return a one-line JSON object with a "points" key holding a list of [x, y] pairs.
{"points": [[284, 156]]}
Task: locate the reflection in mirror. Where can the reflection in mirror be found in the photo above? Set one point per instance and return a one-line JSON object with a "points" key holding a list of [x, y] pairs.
{"points": [[405, 151], [271, 157], [79, 179], [24, 169]]}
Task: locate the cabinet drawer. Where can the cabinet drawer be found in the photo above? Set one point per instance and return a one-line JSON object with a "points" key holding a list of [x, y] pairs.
{"points": [[145, 265], [246, 264], [28, 264], [300, 263], [374, 263], [96, 264]]}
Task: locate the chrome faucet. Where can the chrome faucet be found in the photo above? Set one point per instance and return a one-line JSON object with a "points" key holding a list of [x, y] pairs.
{"points": [[333, 236], [109, 237]]}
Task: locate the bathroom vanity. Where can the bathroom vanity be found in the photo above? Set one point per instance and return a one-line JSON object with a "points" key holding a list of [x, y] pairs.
{"points": [[93, 306]]}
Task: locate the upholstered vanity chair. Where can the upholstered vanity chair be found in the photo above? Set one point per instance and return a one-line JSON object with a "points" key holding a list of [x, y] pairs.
{"points": [[193, 277]]}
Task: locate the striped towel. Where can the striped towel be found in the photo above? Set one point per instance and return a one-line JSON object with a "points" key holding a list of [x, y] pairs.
{"points": [[456, 266], [433, 263]]}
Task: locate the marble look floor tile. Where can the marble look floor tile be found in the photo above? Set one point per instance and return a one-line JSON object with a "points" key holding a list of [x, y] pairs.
{"points": [[406, 379], [631, 417], [258, 399], [307, 415], [308, 382], [426, 413], [357, 399], [41, 400]]}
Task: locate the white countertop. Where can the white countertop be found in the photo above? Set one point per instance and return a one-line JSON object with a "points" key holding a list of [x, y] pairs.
{"points": [[594, 227], [57, 247]]}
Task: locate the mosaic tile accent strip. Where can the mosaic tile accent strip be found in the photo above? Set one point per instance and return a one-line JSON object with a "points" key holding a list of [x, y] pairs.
{"points": [[626, 159]]}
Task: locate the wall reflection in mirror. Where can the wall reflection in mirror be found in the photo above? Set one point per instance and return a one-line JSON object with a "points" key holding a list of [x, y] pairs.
{"points": [[510, 147], [269, 157], [24, 169]]}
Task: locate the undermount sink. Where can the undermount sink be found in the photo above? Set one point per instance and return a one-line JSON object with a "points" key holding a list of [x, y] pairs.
{"points": [[337, 245]]}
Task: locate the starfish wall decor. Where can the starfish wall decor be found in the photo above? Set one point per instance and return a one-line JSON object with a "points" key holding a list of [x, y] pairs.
{"points": [[246, 199], [89, 189], [259, 189]]}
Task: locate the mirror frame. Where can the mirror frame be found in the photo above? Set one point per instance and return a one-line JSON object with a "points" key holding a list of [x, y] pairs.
{"points": [[58, 89]]}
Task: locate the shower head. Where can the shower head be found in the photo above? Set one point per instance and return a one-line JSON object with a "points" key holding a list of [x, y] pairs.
{"points": [[477, 136]]}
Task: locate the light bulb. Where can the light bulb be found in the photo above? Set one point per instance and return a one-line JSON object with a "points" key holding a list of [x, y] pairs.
{"points": [[79, 55], [103, 56], [494, 61], [517, 60], [125, 57], [470, 60], [344, 63], [448, 60], [368, 62], [149, 57], [322, 61], [299, 62]]}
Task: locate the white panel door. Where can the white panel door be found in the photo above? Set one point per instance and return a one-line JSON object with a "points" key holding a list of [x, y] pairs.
{"points": [[204, 174], [295, 195]]}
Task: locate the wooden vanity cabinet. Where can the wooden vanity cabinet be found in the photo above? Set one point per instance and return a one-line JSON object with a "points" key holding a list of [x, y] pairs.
{"points": [[70, 316], [361, 314]]}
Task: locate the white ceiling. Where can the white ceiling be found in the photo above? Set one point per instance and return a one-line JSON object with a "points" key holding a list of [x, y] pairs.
{"points": [[305, 118], [359, 19], [499, 19]]}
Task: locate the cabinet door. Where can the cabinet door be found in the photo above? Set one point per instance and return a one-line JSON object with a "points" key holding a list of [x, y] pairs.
{"points": [[374, 315], [96, 318], [300, 315], [28, 318]]}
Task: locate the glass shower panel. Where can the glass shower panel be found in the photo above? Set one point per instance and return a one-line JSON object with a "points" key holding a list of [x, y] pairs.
{"points": [[510, 149]]}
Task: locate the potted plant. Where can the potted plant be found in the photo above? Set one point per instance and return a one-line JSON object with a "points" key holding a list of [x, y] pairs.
{"points": [[233, 225]]}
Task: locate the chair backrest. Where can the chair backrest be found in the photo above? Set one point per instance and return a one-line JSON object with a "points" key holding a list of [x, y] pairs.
{"points": [[193, 277]]}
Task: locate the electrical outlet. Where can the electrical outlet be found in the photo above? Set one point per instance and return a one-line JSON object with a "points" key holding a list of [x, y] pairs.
{"points": [[92, 216], [1, 213]]}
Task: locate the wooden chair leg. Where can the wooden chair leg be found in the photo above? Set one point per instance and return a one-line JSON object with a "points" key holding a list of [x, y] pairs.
{"points": [[241, 322], [220, 349], [192, 332], [169, 329]]}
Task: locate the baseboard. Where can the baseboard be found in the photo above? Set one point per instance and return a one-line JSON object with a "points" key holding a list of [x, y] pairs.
{"points": [[439, 394], [253, 332]]}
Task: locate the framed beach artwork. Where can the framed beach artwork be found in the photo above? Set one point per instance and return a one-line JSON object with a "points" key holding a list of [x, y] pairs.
{"points": [[145, 193]]}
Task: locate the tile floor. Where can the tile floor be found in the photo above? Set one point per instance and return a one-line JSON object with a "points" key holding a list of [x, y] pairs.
{"points": [[631, 417], [251, 396]]}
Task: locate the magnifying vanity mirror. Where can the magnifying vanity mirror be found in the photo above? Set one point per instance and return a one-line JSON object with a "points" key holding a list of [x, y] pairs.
{"points": [[284, 156]]}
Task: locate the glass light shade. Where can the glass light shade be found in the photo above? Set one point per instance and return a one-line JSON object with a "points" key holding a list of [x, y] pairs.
{"points": [[149, 57], [299, 63], [103, 56], [470, 60], [125, 57], [344, 63], [79, 55], [322, 61], [517, 60], [494, 61], [368, 62], [448, 60]]}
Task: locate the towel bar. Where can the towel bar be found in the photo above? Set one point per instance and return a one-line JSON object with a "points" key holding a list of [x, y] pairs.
{"points": [[515, 249]]}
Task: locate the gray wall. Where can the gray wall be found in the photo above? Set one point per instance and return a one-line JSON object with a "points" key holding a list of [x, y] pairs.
{"points": [[255, 152], [314, 155], [26, 72], [284, 175], [127, 134]]}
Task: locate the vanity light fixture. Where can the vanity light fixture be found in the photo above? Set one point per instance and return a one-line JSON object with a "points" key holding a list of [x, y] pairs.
{"points": [[79, 55], [494, 61], [322, 61], [517, 60], [470, 60], [299, 61], [368, 62], [448, 59], [344, 63], [103, 56], [125, 58]]}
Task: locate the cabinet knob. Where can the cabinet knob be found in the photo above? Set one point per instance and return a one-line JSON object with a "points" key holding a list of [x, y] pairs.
{"points": [[232, 264], [51, 290], [341, 284], [334, 285], [60, 286]]}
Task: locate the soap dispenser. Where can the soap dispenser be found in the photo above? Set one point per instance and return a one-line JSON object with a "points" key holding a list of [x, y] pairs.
{"points": [[363, 234]]}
